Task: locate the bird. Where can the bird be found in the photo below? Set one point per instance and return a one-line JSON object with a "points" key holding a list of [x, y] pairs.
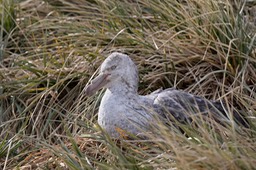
{"points": [[122, 109]]}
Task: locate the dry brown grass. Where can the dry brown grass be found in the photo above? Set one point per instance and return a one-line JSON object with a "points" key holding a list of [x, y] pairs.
{"points": [[203, 47]]}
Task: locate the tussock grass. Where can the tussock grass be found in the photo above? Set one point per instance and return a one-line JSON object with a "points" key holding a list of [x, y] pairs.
{"points": [[203, 47], [7, 22]]}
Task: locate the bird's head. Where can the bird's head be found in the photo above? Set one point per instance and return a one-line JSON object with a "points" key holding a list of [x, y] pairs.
{"points": [[118, 70]]}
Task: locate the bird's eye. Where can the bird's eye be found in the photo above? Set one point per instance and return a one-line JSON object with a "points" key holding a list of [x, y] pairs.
{"points": [[113, 67]]}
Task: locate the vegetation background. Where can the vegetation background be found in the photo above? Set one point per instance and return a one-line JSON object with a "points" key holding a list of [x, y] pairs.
{"points": [[50, 48]]}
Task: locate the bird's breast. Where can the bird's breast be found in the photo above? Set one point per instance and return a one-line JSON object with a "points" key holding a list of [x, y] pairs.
{"points": [[122, 112]]}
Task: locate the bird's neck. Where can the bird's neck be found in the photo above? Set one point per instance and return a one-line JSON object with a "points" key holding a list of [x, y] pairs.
{"points": [[124, 88]]}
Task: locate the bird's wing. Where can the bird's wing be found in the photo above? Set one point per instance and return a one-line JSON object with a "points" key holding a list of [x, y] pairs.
{"points": [[182, 106]]}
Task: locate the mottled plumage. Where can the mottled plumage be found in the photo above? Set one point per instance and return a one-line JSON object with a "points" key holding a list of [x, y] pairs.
{"points": [[122, 108]]}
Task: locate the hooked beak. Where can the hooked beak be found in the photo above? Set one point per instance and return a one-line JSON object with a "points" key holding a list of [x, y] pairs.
{"points": [[99, 82]]}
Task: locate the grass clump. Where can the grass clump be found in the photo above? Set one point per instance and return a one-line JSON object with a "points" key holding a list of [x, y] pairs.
{"points": [[204, 47], [7, 22]]}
